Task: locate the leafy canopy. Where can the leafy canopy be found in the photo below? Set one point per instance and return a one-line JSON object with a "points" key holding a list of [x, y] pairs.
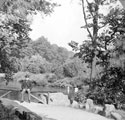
{"points": [[15, 26]]}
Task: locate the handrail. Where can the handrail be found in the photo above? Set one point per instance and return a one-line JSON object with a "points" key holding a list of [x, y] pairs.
{"points": [[5, 94], [37, 98]]}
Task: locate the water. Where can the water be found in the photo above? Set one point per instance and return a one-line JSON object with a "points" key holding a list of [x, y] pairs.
{"points": [[16, 95]]}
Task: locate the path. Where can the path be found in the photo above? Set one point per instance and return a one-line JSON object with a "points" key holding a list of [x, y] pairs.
{"points": [[61, 112]]}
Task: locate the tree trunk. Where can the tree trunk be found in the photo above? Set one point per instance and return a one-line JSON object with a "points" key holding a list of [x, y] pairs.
{"points": [[93, 69], [95, 35]]}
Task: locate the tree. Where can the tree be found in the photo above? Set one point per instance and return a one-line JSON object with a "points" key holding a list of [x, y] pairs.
{"points": [[35, 64], [111, 83], [50, 52], [94, 22], [14, 28], [24, 7], [43, 48], [74, 67], [104, 52], [93, 19], [93, 9]]}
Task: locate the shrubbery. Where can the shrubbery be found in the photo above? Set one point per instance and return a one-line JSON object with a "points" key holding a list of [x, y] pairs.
{"points": [[62, 83], [39, 79]]}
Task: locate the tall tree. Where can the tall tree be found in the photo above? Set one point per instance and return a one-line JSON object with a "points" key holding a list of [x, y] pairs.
{"points": [[104, 50], [94, 21], [92, 24], [111, 83]]}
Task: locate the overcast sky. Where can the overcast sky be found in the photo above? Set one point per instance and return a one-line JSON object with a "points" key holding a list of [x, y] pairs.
{"points": [[63, 25]]}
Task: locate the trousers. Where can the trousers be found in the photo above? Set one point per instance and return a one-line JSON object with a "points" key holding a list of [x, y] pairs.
{"points": [[23, 92]]}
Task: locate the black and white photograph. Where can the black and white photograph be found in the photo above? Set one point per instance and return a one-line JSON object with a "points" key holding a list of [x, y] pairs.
{"points": [[62, 59]]}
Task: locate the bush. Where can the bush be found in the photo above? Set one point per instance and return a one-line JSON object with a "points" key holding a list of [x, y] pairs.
{"points": [[81, 95], [62, 83], [40, 79], [51, 77], [19, 76]]}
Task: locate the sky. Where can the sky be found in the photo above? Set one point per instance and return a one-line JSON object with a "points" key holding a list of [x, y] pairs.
{"points": [[62, 26]]}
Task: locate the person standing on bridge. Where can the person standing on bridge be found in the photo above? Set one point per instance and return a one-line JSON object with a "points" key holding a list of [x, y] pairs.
{"points": [[26, 88]]}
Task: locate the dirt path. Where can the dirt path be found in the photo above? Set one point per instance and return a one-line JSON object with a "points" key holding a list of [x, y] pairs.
{"points": [[61, 112]]}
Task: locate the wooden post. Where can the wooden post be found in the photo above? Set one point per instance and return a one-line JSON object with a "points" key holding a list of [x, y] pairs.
{"points": [[48, 98], [76, 90], [5, 94], [68, 89]]}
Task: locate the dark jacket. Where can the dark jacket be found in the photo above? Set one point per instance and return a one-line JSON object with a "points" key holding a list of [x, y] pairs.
{"points": [[26, 84]]}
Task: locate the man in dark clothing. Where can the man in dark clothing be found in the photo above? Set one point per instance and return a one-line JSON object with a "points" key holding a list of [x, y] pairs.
{"points": [[26, 87]]}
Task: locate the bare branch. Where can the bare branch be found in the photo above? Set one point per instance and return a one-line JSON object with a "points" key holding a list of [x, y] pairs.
{"points": [[86, 20]]}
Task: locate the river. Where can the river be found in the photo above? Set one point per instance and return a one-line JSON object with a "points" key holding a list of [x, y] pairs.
{"points": [[16, 94]]}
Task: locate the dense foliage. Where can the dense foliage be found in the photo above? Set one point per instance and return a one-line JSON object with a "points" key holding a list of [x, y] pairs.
{"points": [[19, 53], [51, 64], [98, 62], [14, 29], [104, 52]]}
